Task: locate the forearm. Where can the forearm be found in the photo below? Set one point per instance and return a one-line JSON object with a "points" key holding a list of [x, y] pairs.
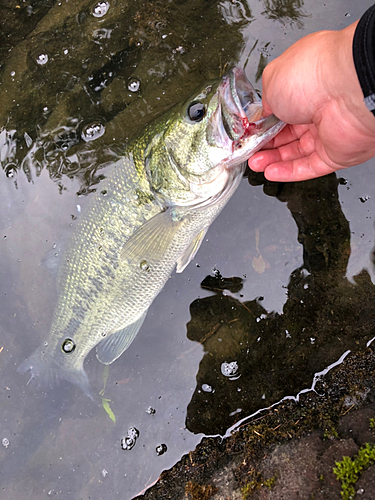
{"points": [[343, 107]]}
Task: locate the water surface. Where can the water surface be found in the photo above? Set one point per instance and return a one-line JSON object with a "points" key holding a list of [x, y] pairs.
{"points": [[290, 266]]}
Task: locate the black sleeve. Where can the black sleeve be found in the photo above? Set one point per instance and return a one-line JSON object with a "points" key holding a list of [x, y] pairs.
{"points": [[364, 56]]}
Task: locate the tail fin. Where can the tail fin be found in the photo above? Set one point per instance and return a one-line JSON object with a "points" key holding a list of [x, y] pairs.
{"points": [[49, 372]]}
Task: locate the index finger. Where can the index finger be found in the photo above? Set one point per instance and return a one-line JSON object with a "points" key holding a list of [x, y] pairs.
{"points": [[289, 134]]}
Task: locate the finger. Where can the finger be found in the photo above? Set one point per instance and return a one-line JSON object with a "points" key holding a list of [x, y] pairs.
{"points": [[291, 151], [262, 159], [266, 107], [289, 134], [300, 169]]}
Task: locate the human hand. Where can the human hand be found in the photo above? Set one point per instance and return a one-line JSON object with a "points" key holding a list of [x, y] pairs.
{"points": [[313, 86]]}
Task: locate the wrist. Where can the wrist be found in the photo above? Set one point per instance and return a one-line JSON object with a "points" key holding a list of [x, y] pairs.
{"points": [[342, 82]]}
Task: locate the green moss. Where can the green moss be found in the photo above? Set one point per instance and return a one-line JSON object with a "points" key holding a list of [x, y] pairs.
{"points": [[250, 487], [256, 482], [270, 483], [330, 433], [349, 469], [372, 423]]}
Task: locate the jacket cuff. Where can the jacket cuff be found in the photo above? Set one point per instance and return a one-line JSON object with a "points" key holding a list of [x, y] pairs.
{"points": [[364, 56]]}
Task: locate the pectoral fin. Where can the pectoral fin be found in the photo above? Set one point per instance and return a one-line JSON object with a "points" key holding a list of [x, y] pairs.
{"points": [[191, 251], [151, 241], [111, 348]]}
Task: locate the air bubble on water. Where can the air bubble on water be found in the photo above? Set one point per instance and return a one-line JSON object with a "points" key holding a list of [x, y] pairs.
{"points": [[54, 245], [5, 236], [128, 442], [104, 473], [207, 388], [10, 170], [161, 449], [312, 340], [12, 73], [42, 59], [133, 432], [5, 442], [45, 344], [92, 131], [104, 192], [144, 265], [65, 51], [79, 208], [150, 410], [363, 199], [347, 14], [305, 286], [68, 346], [134, 84], [230, 370], [100, 9], [287, 334]]}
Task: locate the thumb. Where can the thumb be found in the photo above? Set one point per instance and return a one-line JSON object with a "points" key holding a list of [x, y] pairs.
{"points": [[266, 107]]}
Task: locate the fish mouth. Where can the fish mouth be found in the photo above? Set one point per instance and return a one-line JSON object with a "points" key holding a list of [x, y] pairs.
{"points": [[239, 114]]}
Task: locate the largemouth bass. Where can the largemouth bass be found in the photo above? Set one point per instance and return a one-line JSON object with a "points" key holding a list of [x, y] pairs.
{"points": [[149, 217]]}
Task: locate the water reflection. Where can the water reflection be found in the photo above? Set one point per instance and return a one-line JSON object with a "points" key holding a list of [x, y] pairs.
{"points": [[277, 354], [285, 11], [76, 67]]}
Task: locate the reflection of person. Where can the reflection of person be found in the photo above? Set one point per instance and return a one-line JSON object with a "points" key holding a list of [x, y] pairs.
{"points": [[323, 86], [274, 355]]}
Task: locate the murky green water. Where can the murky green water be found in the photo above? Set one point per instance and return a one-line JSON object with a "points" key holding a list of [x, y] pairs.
{"points": [[291, 266]]}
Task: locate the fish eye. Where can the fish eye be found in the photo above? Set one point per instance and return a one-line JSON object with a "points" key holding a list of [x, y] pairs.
{"points": [[68, 346], [196, 111]]}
